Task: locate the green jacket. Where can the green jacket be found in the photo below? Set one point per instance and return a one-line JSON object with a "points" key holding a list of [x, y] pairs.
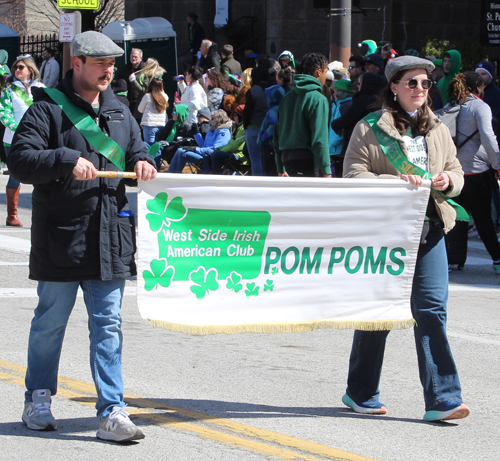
{"points": [[456, 63], [302, 122], [236, 144]]}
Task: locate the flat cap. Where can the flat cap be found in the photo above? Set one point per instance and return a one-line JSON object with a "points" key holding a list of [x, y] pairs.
{"points": [[94, 45], [406, 63]]}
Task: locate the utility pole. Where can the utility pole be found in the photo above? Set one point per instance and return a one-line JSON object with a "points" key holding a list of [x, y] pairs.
{"points": [[340, 30]]}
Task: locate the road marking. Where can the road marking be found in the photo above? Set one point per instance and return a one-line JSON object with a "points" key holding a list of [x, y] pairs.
{"points": [[15, 244], [472, 288], [9, 263], [234, 434], [474, 338]]}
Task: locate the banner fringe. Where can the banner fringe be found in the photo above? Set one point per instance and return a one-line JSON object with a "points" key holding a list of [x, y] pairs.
{"points": [[282, 328]]}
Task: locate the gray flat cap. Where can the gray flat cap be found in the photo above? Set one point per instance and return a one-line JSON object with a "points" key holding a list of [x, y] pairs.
{"points": [[406, 63], [94, 45]]}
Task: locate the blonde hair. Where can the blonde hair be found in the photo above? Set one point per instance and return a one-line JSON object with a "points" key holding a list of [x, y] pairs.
{"points": [[246, 77], [152, 69], [30, 64]]}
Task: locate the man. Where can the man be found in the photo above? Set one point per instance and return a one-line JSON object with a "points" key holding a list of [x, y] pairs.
{"points": [[229, 65], [452, 61], [250, 58], [301, 132], [49, 71], [356, 66], [286, 59], [491, 91], [81, 235], [438, 72], [123, 73], [209, 56], [196, 35], [374, 64]]}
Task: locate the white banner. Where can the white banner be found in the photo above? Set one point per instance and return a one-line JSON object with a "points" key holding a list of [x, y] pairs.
{"points": [[221, 254]]}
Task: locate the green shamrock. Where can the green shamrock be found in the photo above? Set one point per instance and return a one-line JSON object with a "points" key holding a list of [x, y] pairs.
{"points": [[204, 281], [252, 290], [163, 214], [274, 271], [161, 274], [233, 282], [269, 286]]}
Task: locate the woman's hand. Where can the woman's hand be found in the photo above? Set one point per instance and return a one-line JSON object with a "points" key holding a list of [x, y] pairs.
{"points": [[414, 179], [440, 181]]}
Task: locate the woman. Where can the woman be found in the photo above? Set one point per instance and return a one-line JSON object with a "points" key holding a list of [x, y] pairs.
{"points": [[153, 108], [193, 92], [234, 149], [140, 81], [218, 136], [15, 99], [477, 150], [425, 141], [217, 87]]}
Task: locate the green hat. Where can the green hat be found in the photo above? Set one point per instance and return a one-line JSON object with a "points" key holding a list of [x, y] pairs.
{"points": [[438, 62], [344, 85], [372, 46]]}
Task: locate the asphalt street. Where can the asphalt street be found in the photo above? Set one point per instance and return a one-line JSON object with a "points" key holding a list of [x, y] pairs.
{"points": [[249, 396]]}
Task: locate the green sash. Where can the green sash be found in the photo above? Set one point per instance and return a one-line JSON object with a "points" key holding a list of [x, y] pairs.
{"points": [[391, 148], [87, 127], [24, 96]]}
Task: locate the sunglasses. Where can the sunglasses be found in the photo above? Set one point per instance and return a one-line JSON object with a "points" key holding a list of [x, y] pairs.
{"points": [[353, 67], [19, 67], [413, 83]]}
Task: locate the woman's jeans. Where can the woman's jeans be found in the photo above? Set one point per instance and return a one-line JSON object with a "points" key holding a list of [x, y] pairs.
{"points": [[217, 160], [476, 199], [254, 151], [182, 156], [438, 373], [11, 183], [56, 301], [149, 134]]}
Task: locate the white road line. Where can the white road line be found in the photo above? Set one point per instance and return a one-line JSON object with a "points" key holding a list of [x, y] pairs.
{"points": [[8, 263], [458, 288], [474, 338], [31, 292], [15, 244]]}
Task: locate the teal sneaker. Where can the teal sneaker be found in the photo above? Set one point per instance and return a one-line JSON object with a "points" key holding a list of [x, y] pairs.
{"points": [[496, 268], [372, 407], [451, 409]]}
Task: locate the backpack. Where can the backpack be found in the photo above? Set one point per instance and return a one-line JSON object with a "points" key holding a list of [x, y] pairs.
{"points": [[449, 116]]}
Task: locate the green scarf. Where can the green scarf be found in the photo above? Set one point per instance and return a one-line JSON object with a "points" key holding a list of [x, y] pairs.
{"points": [[23, 95], [391, 148], [182, 112]]}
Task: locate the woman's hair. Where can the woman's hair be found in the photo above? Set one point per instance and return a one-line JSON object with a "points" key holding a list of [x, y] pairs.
{"points": [[246, 77], [193, 16], [217, 80], [286, 75], [313, 61], [220, 117], [29, 62], [195, 72], [152, 69], [419, 123], [156, 89], [463, 85]]}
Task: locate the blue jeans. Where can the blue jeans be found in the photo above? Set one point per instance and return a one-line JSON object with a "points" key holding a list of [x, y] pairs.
{"points": [[438, 373], [254, 151], [149, 134], [56, 301], [11, 183], [182, 156]]}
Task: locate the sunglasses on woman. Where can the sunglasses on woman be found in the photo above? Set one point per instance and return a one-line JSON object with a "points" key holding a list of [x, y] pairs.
{"points": [[413, 83], [19, 67]]}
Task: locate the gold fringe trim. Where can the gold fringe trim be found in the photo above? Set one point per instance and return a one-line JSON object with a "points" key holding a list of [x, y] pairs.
{"points": [[281, 328]]}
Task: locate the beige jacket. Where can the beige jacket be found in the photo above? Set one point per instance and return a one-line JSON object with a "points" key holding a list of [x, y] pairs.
{"points": [[365, 159]]}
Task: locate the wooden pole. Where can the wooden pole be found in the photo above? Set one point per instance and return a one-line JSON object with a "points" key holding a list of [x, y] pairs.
{"points": [[117, 174]]}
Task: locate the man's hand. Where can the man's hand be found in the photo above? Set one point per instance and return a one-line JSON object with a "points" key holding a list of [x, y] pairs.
{"points": [[440, 181], [84, 170], [144, 170], [414, 179]]}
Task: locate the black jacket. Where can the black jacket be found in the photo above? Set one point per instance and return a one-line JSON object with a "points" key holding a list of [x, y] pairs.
{"points": [[77, 232], [363, 103], [212, 60]]}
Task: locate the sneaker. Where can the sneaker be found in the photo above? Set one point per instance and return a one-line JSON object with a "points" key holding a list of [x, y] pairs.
{"points": [[473, 232], [451, 409], [372, 407], [117, 427], [496, 268], [37, 415]]}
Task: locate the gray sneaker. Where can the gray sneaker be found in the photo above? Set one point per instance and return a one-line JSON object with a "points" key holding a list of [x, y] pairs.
{"points": [[117, 427], [37, 415]]}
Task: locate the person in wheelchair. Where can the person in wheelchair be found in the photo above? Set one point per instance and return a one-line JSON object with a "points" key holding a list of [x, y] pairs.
{"points": [[218, 136], [216, 162]]}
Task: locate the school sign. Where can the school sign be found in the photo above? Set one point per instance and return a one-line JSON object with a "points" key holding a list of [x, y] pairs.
{"points": [[232, 254]]}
